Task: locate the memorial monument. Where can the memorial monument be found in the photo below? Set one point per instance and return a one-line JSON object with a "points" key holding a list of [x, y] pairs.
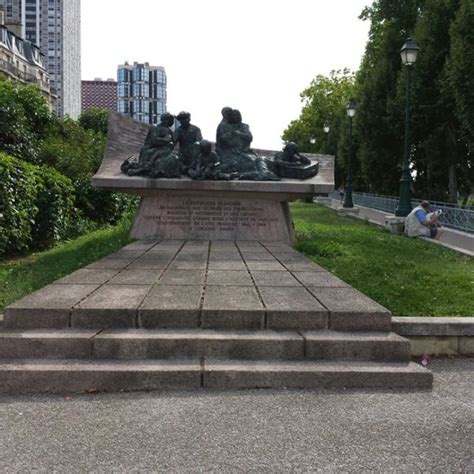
{"points": [[212, 296], [190, 190]]}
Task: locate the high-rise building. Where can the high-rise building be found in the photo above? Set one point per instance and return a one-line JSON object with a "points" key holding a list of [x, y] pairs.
{"points": [[53, 25], [142, 91], [11, 15], [99, 93]]}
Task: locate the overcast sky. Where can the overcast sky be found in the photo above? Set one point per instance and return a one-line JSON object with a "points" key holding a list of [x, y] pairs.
{"points": [[254, 55]]}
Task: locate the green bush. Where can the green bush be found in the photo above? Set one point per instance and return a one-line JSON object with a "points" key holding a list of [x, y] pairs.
{"points": [[99, 205], [36, 205], [18, 192], [56, 212], [24, 121]]}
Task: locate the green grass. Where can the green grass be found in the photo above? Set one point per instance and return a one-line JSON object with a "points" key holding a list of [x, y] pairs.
{"points": [[22, 275], [410, 277]]}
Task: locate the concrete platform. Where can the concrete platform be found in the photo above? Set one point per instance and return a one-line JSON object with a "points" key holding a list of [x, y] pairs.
{"points": [[195, 284], [193, 314]]}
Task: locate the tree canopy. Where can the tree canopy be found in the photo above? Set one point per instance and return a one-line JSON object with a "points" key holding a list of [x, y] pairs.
{"points": [[442, 101]]}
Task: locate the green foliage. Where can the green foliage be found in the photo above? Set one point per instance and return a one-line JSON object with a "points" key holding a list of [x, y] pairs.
{"points": [[36, 205], [18, 192], [324, 101], [442, 102], [410, 277], [379, 123], [72, 150], [461, 67], [41, 205], [56, 213], [24, 120], [94, 119], [99, 205]]}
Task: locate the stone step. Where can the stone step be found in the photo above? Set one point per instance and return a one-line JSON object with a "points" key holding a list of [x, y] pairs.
{"points": [[70, 376], [283, 315], [315, 374], [356, 346], [164, 344]]}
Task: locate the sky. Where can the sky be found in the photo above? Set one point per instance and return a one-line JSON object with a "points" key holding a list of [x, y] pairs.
{"points": [[253, 55]]}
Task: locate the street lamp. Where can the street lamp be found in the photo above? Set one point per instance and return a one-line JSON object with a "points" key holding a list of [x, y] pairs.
{"points": [[408, 53], [351, 111], [326, 129], [312, 140]]}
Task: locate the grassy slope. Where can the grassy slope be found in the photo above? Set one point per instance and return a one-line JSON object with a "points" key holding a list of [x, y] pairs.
{"points": [[21, 276], [408, 276]]}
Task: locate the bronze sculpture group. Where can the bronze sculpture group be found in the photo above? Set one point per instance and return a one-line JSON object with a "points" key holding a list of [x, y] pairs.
{"points": [[232, 159]]}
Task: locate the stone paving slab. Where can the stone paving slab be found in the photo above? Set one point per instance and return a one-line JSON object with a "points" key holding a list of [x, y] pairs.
{"points": [[267, 266], [141, 245], [350, 310], [227, 265], [319, 279], [170, 306], [136, 277], [86, 276], [229, 278], [269, 278], [110, 306], [49, 307], [232, 307], [293, 308], [183, 277], [110, 263]]}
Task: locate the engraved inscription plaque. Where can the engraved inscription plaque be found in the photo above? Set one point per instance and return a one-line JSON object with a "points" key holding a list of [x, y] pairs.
{"points": [[179, 216]]}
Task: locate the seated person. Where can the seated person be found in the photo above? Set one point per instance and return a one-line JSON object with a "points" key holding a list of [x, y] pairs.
{"points": [[206, 164], [291, 156], [156, 159], [421, 222], [233, 145], [186, 136]]}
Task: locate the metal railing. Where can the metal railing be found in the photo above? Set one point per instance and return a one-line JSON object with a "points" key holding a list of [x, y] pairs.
{"points": [[453, 216]]}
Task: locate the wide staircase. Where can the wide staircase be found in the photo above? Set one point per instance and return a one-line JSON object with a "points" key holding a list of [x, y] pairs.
{"points": [[200, 314]]}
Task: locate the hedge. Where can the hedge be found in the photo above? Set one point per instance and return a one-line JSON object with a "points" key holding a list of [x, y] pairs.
{"points": [[36, 205]]}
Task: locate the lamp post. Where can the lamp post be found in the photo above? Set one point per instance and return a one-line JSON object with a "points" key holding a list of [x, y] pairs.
{"points": [[326, 129], [351, 111], [312, 140], [408, 53]]}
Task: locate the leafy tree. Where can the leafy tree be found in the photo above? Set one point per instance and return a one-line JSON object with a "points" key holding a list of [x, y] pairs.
{"points": [[461, 67], [73, 150], [380, 117], [439, 151], [324, 100], [94, 119], [24, 120]]}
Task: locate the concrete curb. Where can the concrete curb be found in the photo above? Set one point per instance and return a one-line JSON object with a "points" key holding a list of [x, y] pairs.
{"points": [[437, 336]]}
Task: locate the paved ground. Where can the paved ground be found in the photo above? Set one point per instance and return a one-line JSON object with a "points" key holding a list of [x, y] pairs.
{"points": [[246, 431]]}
